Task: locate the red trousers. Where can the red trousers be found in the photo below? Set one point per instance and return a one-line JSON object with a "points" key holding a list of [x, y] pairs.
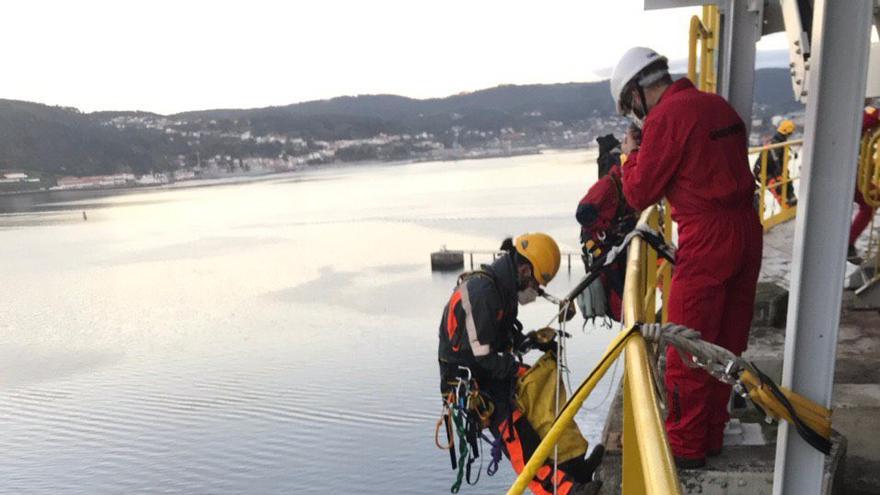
{"points": [[519, 444], [862, 218], [713, 292]]}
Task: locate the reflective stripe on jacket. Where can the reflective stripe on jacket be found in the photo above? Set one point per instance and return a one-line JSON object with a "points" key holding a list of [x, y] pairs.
{"points": [[479, 326]]}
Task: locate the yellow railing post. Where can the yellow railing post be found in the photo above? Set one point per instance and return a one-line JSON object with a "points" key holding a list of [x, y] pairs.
{"points": [[566, 416], [650, 290], [710, 20], [761, 198], [785, 180], [647, 461], [666, 276], [785, 212], [694, 36], [703, 31], [868, 183]]}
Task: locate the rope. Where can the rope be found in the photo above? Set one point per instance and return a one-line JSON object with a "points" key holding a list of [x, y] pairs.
{"points": [[727, 367], [468, 411], [463, 451], [492, 468], [437, 434]]}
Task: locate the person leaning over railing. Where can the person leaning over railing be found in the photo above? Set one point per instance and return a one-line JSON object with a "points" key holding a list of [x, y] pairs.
{"points": [[605, 219], [694, 151]]}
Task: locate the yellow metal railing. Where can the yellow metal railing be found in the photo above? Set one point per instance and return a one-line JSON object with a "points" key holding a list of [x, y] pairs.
{"points": [[705, 32], [647, 466], [869, 168], [868, 183], [777, 207]]}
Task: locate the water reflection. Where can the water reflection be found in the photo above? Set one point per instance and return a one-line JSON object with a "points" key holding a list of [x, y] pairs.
{"points": [[260, 337]]}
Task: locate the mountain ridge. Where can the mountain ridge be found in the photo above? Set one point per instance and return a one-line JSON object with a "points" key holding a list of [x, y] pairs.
{"points": [[55, 140]]}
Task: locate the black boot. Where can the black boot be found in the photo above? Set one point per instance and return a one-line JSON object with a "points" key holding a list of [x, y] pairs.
{"points": [[690, 463], [589, 488], [852, 255], [595, 458]]}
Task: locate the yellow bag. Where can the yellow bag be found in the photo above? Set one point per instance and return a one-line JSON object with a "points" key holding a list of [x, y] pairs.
{"points": [[534, 397]]}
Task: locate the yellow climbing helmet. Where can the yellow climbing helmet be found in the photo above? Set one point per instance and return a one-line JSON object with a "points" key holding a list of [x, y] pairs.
{"points": [[786, 127], [542, 252]]}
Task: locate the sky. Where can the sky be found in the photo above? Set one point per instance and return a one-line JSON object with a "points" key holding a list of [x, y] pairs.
{"points": [[171, 56]]}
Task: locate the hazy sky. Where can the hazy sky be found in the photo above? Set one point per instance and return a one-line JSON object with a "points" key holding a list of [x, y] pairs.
{"points": [[170, 56]]}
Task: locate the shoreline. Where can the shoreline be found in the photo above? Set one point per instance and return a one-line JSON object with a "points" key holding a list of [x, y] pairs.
{"points": [[47, 201], [256, 177]]}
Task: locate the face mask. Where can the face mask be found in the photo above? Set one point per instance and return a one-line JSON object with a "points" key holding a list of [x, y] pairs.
{"points": [[637, 113], [636, 120], [527, 296]]}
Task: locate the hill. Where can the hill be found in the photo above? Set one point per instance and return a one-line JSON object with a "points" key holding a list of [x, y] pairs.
{"points": [[65, 141]]}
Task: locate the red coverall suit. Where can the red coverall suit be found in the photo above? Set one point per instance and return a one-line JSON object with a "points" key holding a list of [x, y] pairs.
{"points": [[870, 119], [694, 152], [600, 212]]}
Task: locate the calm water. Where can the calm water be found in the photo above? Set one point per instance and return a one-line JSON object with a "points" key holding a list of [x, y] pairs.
{"points": [[271, 337]]}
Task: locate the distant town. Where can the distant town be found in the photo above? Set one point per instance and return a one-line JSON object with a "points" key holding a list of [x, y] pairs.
{"points": [[299, 153], [60, 148]]}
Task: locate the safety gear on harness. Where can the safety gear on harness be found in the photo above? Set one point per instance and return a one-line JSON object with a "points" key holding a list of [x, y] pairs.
{"points": [[631, 64], [593, 302], [786, 127], [605, 219], [542, 252]]}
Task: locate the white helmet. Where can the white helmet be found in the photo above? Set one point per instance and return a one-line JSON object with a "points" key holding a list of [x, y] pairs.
{"points": [[631, 63]]}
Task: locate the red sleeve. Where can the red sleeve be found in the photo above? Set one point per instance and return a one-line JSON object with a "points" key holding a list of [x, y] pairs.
{"points": [[647, 171], [597, 208]]}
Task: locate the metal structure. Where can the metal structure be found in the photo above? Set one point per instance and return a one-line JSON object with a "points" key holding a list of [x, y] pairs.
{"points": [[828, 45], [840, 40], [797, 29], [741, 28]]}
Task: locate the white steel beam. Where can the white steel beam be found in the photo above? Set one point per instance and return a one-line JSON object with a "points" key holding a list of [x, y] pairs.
{"points": [[840, 36], [799, 48], [674, 4], [741, 29]]}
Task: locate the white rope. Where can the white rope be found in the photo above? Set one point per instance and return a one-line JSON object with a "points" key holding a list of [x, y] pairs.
{"points": [[694, 351]]}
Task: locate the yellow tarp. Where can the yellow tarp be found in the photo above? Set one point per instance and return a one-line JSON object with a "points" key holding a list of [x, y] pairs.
{"points": [[534, 397]]}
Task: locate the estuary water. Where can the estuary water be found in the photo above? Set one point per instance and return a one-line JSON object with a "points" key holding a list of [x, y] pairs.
{"points": [[275, 336]]}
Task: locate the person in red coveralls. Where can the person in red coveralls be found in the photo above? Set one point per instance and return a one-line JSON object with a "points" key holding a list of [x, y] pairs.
{"points": [[694, 152], [605, 219], [870, 120]]}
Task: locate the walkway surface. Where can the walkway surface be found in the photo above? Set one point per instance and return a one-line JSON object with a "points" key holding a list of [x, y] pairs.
{"points": [[746, 464]]}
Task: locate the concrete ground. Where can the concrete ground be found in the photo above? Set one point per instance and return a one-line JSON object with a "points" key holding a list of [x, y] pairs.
{"points": [[856, 398], [854, 466]]}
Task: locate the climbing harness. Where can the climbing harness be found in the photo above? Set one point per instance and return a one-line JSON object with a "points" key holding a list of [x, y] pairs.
{"points": [[465, 414]]}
